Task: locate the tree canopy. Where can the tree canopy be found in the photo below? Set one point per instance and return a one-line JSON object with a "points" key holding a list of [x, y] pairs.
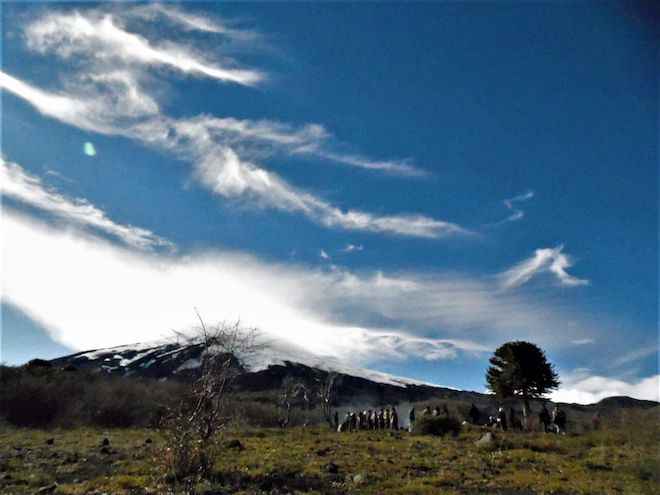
{"points": [[520, 369]]}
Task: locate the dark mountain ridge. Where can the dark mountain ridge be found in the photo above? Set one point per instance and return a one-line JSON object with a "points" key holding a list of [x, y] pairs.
{"points": [[273, 364]]}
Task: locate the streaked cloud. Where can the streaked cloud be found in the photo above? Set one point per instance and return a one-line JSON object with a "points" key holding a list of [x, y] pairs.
{"points": [[511, 204], [349, 248], [636, 355], [582, 341], [110, 95], [192, 22], [28, 189], [102, 36], [219, 168], [548, 260]]}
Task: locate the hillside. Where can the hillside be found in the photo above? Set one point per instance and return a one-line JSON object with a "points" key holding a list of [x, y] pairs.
{"points": [[271, 364]]}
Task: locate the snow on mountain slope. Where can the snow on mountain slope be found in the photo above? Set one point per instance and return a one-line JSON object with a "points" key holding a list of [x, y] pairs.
{"points": [[172, 357]]}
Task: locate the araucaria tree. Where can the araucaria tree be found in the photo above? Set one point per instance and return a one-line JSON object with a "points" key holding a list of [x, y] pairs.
{"points": [[521, 370]]}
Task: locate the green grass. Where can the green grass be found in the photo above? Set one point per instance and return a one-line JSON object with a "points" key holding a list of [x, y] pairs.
{"points": [[617, 461]]}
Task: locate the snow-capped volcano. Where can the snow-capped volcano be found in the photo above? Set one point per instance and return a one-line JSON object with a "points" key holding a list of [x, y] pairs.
{"points": [[267, 366]]}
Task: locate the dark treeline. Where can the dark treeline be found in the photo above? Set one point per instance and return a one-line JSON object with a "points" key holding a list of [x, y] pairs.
{"points": [[43, 396]]}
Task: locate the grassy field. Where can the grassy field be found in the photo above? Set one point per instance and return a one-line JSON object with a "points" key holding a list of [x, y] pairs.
{"points": [[316, 460]]}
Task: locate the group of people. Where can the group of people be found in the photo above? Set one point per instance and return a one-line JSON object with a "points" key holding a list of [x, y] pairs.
{"points": [[370, 419], [388, 419], [550, 422]]}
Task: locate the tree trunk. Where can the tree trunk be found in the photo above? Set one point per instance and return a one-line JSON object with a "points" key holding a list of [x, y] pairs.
{"points": [[526, 410]]}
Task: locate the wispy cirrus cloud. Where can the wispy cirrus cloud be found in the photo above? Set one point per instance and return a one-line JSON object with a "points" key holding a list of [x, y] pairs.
{"points": [[547, 260], [28, 189], [582, 341], [511, 204], [192, 22], [349, 248], [217, 166], [109, 96], [636, 355], [103, 37]]}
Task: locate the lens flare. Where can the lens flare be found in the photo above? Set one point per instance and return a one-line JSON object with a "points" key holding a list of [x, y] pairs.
{"points": [[89, 149]]}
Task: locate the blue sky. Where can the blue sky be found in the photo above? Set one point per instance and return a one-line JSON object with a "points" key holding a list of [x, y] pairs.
{"points": [[401, 186]]}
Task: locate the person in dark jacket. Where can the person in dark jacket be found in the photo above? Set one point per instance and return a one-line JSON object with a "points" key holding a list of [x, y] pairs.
{"points": [[474, 414], [394, 419], [501, 419], [411, 419], [544, 419]]}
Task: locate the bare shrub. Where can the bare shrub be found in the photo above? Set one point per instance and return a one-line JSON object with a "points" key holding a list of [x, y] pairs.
{"points": [[192, 428]]}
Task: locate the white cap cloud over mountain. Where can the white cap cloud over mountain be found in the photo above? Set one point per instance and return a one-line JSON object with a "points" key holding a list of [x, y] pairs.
{"points": [[222, 285], [356, 315], [582, 387]]}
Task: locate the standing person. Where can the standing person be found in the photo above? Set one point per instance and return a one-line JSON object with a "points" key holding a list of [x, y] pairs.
{"points": [[387, 418], [436, 411], [411, 419], [426, 411], [474, 414], [501, 419], [513, 419], [372, 419], [553, 419], [544, 419], [595, 420], [560, 420], [394, 419], [336, 418], [445, 410]]}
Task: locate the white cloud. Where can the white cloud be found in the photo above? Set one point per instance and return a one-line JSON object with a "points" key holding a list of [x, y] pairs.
{"points": [[28, 189], [324, 255], [190, 21], [93, 294], [544, 261], [349, 248], [582, 341], [101, 36], [636, 355], [583, 388], [111, 99], [511, 205], [397, 167]]}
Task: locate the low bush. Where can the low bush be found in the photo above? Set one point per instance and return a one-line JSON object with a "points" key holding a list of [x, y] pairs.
{"points": [[437, 426], [45, 397]]}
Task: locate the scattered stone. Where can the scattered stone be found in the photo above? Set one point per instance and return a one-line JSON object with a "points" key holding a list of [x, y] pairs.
{"points": [[486, 440], [50, 441], [105, 450], [148, 440], [359, 478], [47, 489], [6, 476], [332, 468], [234, 444], [105, 442]]}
